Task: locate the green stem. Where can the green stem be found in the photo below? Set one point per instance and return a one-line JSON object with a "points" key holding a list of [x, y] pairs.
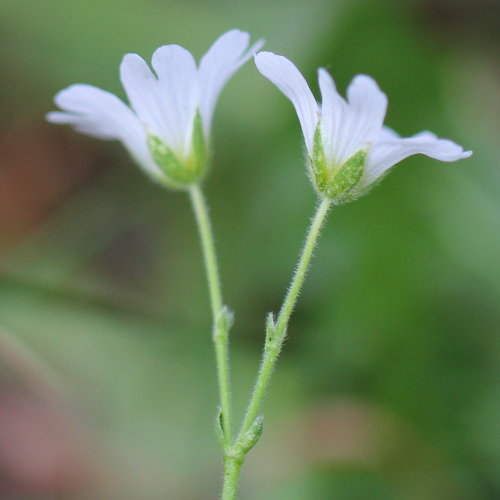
{"points": [[232, 469], [275, 336], [219, 312]]}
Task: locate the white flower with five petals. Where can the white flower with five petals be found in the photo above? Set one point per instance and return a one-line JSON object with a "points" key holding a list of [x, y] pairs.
{"points": [[167, 128], [348, 147]]}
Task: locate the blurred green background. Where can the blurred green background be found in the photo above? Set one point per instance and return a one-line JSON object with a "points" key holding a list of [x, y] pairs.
{"points": [[388, 386]]}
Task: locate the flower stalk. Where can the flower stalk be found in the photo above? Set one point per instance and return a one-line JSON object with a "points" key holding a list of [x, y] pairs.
{"points": [[221, 315], [275, 337]]}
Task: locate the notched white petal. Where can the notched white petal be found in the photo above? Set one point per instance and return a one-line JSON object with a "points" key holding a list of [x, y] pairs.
{"points": [[362, 118], [101, 114], [392, 149], [329, 94], [440, 149], [333, 117], [141, 87], [369, 104], [285, 75], [177, 95], [226, 55], [61, 117], [364, 94], [105, 115]]}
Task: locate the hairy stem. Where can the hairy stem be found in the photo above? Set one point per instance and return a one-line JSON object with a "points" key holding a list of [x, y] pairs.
{"points": [[232, 469], [220, 314], [275, 336]]}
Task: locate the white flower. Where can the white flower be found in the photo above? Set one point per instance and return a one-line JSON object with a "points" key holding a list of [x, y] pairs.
{"points": [[348, 147], [167, 127]]}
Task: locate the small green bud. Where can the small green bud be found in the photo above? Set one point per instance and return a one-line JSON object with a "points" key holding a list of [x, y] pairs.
{"points": [[332, 181], [251, 437], [178, 172]]}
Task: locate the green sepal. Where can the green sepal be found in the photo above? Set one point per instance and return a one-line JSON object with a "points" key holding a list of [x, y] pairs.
{"points": [[200, 153], [181, 172], [165, 158], [345, 179], [318, 164], [330, 180]]}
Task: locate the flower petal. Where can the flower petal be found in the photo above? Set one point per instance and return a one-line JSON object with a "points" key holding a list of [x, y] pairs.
{"points": [[177, 94], [333, 115], [141, 87], [285, 75], [101, 114], [363, 118], [223, 58], [392, 149]]}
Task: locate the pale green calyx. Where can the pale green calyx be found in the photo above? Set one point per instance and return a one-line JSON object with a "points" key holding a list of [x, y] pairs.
{"points": [[180, 173], [336, 182]]}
